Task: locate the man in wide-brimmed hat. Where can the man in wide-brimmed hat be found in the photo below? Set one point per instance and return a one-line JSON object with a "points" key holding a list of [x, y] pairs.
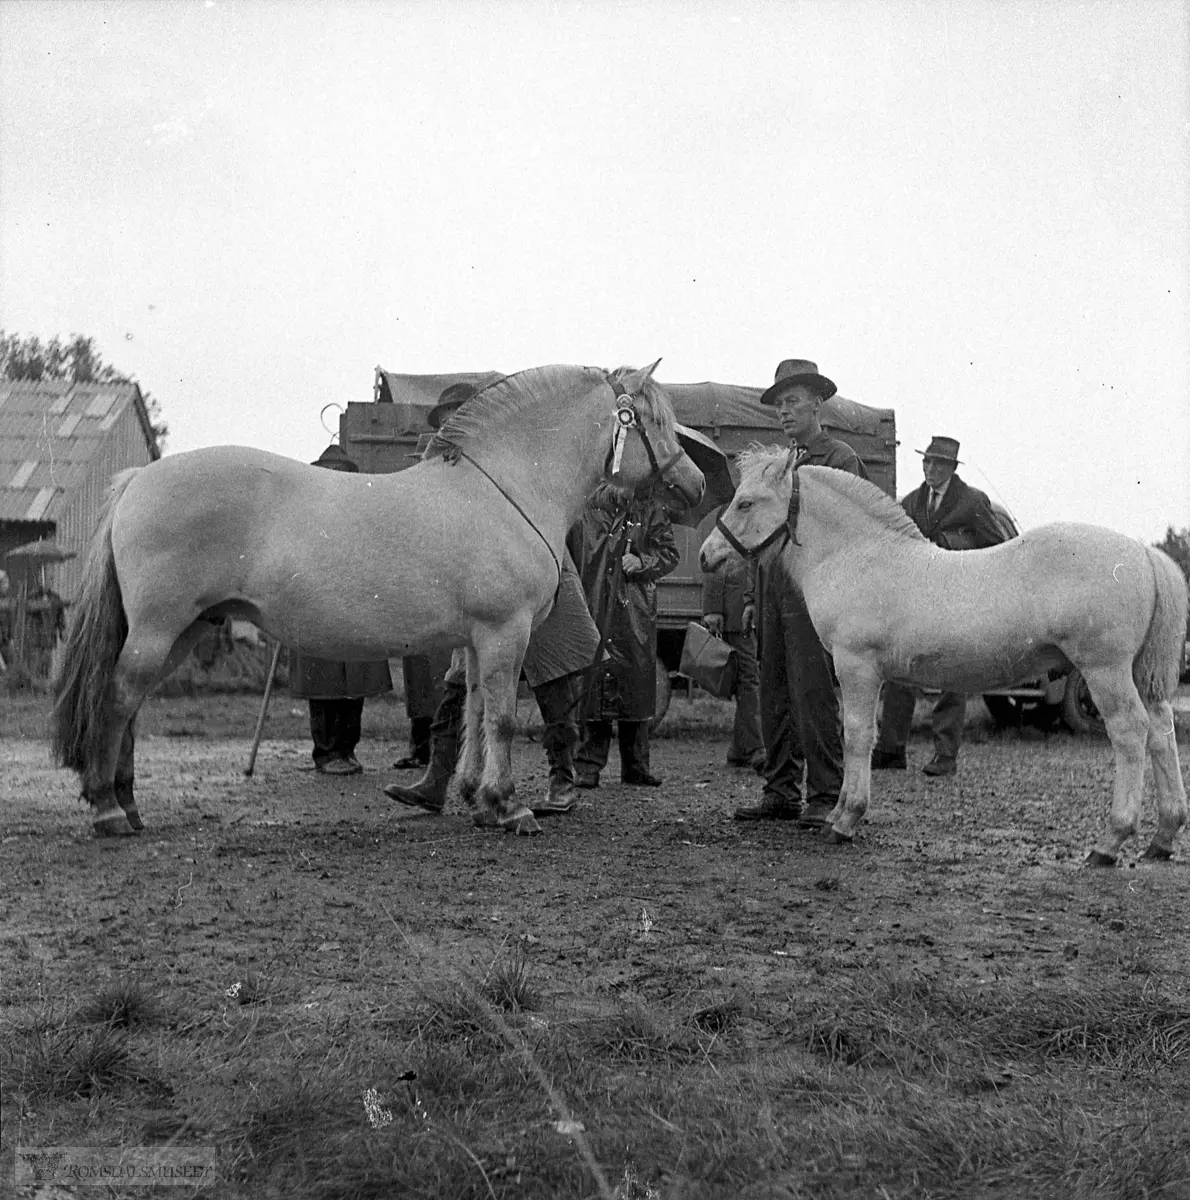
{"points": [[800, 719], [955, 516]]}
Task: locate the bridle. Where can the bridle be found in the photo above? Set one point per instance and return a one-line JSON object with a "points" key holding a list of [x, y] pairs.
{"points": [[786, 532], [627, 418], [781, 532]]}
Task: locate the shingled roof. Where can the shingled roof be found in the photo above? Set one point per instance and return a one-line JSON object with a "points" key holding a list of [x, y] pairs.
{"points": [[50, 430]]}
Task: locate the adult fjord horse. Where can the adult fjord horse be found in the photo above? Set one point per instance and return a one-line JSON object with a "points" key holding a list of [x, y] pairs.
{"points": [[890, 605], [460, 549]]}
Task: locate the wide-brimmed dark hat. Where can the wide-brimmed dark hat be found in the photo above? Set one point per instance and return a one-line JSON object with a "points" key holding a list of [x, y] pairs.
{"points": [[942, 447], [452, 397], [458, 394], [334, 458], [793, 371]]}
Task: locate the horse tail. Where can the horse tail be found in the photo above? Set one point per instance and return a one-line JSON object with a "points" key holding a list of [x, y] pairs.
{"points": [[86, 660], [1158, 662]]}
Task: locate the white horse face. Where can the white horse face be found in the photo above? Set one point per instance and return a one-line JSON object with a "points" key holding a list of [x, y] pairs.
{"points": [[756, 514]]}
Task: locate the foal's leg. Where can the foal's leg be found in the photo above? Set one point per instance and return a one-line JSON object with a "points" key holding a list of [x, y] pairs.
{"points": [[1119, 704], [1167, 777], [861, 690]]}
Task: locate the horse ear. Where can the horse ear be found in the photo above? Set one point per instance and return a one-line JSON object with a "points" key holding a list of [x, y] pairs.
{"points": [[635, 380]]}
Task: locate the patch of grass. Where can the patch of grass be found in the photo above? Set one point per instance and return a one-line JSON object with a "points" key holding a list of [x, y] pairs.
{"points": [[121, 1005], [49, 1058], [509, 984]]}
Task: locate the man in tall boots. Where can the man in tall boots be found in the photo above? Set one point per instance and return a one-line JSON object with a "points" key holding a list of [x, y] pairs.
{"points": [[955, 516], [559, 651]]}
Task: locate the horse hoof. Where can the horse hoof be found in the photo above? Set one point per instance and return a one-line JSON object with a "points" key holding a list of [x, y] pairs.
{"points": [[838, 838], [522, 823], [1157, 852], [485, 817], [133, 819], [114, 824], [1097, 858]]}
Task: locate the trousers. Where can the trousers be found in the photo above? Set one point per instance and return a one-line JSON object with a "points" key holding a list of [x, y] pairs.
{"points": [[800, 716], [335, 727], [946, 721]]}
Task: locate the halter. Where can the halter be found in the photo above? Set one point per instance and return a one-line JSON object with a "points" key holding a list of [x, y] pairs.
{"points": [[786, 530], [627, 418], [782, 531]]}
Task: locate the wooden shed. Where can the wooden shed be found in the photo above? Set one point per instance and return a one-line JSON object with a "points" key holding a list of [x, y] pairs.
{"points": [[60, 445]]}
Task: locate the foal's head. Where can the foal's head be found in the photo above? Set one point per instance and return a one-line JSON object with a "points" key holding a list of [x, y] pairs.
{"points": [[759, 512]]}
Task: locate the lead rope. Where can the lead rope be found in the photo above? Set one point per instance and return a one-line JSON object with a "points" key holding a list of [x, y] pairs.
{"points": [[528, 519]]}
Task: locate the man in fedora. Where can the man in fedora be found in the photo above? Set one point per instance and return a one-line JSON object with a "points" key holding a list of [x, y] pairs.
{"points": [[800, 720], [559, 650], [955, 516]]}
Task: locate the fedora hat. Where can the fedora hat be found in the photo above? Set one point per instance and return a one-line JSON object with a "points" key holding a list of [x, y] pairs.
{"points": [[452, 397], [334, 457], [457, 395], [791, 371], [942, 447]]}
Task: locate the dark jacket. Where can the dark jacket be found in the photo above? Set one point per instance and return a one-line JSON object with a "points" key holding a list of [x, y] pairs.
{"points": [[626, 687], [965, 519]]}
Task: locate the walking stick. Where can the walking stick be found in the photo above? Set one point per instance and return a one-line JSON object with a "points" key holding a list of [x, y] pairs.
{"points": [[264, 705]]}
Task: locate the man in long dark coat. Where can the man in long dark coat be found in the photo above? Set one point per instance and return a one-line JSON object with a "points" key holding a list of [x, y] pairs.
{"points": [[336, 690], [955, 516], [800, 719], [623, 602]]}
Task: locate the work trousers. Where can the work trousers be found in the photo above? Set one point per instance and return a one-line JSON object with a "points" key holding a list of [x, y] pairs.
{"points": [[633, 737], [800, 717], [745, 730], [556, 701], [946, 721], [335, 727]]}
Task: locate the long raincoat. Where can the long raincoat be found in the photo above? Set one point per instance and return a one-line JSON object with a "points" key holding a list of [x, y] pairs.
{"points": [[625, 687]]}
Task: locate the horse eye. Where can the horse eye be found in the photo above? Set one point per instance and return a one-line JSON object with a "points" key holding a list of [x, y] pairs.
{"points": [[743, 504]]}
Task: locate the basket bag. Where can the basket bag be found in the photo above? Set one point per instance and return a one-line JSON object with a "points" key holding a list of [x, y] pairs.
{"points": [[709, 661]]}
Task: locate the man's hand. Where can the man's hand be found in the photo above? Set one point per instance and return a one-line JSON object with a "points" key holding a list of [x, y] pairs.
{"points": [[632, 564], [713, 623], [749, 620]]}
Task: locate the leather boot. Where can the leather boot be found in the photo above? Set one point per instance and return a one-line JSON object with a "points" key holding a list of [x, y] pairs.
{"points": [[555, 700], [429, 792]]}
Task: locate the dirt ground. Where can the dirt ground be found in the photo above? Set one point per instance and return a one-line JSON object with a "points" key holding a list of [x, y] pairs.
{"points": [[655, 892], [981, 874]]}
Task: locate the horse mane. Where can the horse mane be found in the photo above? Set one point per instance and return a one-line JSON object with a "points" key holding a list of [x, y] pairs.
{"points": [[869, 499], [502, 404]]}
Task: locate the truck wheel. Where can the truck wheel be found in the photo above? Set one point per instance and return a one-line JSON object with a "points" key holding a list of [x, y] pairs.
{"points": [[1078, 707], [661, 705]]}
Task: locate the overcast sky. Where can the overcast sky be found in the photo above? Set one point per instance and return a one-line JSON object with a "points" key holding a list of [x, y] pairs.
{"points": [[974, 213]]}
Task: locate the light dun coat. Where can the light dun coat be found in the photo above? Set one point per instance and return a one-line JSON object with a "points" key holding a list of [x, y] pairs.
{"points": [[462, 549], [888, 604]]}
